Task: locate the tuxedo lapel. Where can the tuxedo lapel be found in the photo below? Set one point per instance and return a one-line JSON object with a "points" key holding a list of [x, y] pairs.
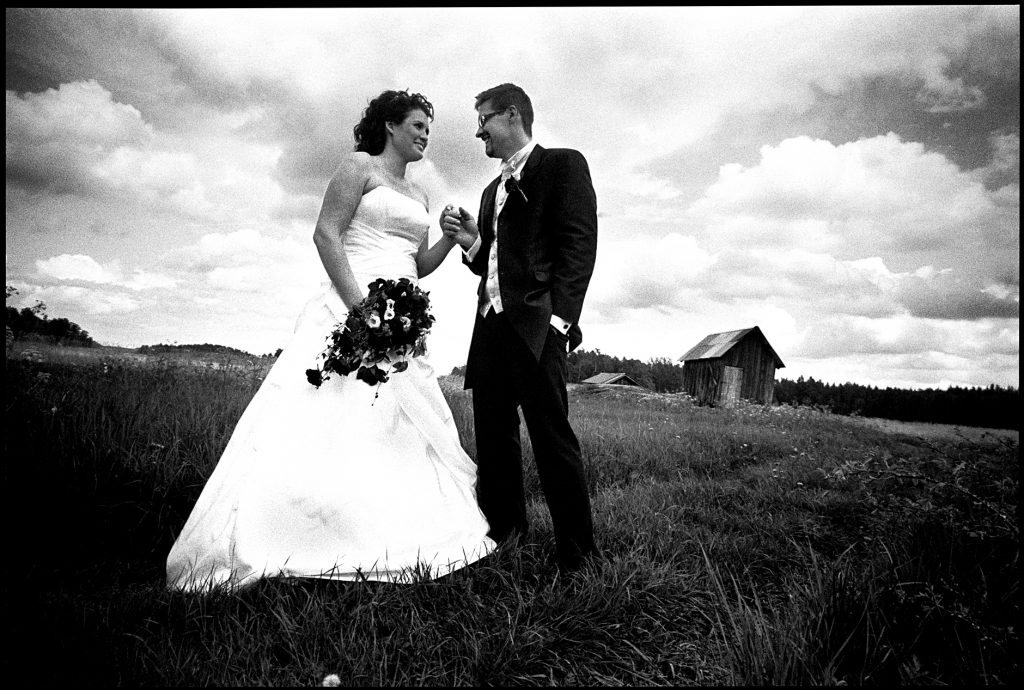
{"points": [[532, 162], [486, 226], [527, 179]]}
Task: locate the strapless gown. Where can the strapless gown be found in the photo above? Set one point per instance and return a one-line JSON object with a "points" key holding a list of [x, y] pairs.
{"points": [[329, 482]]}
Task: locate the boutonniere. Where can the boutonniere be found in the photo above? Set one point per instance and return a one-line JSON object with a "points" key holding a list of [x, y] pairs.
{"points": [[512, 186]]}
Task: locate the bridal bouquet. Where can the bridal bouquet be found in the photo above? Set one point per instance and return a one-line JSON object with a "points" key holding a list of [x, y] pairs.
{"points": [[380, 332]]}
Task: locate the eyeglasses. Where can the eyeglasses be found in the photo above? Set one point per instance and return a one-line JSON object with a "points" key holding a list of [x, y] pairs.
{"points": [[482, 120]]}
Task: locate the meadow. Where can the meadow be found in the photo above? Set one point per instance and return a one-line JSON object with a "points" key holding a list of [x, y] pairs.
{"points": [[752, 545]]}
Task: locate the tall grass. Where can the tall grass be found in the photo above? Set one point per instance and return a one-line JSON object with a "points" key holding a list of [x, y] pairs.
{"points": [[746, 546]]}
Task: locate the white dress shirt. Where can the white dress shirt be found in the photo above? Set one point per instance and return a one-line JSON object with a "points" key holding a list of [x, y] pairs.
{"points": [[512, 167]]}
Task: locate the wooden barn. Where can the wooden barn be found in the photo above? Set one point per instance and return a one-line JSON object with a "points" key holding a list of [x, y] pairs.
{"points": [[725, 367], [616, 379]]}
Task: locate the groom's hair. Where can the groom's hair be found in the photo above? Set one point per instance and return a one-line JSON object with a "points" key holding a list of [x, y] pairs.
{"points": [[504, 95], [391, 106]]}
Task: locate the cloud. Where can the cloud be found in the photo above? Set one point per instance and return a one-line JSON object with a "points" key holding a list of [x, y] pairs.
{"points": [[75, 267], [144, 280], [842, 335], [76, 299], [247, 269], [647, 273], [77, 140], [812, 178], [81, 114], [1004, 169], [944, 295], [55, 138], [70, 268], [877, 196], [819, 284]]}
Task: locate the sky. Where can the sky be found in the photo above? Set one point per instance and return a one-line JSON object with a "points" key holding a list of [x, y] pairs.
{"points": [[845, 178]]}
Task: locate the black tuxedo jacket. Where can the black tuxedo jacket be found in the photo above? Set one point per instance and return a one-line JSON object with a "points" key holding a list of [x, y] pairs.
{"points": [[547, 244]]}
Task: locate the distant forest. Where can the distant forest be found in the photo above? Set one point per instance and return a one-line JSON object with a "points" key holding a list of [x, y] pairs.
{"points": [[205, 348], [994, 407], [661, 374]]}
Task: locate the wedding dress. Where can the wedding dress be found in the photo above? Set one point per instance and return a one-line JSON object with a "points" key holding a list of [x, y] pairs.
{"points": [[329, 482]]}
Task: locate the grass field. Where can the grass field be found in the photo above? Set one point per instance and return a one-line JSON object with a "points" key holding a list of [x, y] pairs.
{"points": [[747, 546]]}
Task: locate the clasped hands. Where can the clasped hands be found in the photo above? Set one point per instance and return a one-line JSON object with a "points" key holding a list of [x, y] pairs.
{"points": [[459, 225]]}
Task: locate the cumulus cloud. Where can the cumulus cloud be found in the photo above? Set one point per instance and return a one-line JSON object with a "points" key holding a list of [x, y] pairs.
{"points": [[808, 178], [84, 268], [843, 335], [1004, 169], [248, 266], [76, 139], [75, 267], [54, 138], [91, 301], [877, 195], [81, 114], [144, 280], [647, 273], [820, 283]]}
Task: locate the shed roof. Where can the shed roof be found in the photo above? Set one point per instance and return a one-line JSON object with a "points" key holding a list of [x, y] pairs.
{"points": [[717, 344], [620, 379]]}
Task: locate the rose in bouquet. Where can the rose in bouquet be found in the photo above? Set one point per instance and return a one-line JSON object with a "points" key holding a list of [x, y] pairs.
{"points": [[379, 334]]}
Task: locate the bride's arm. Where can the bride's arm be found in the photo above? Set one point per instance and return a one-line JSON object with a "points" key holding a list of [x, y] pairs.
{"points": [[429, 258], [339, 206]]}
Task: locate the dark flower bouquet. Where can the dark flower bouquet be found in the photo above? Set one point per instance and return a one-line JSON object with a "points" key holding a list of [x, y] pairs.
{"points": [[390, 324]]}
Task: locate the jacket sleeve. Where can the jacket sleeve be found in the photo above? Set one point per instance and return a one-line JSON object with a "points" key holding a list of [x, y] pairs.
{"points": [[574, 219], [479, 263]]}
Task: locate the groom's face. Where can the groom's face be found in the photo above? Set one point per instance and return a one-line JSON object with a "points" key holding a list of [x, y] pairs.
{"points": [[494, 130]]}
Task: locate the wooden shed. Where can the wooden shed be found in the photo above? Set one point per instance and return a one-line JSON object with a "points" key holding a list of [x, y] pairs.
{"points": [[617, 379], [725, 367]]}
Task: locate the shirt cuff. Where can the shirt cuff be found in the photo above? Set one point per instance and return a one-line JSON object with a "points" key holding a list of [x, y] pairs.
{"points": [[560, 324], [472, 251]]}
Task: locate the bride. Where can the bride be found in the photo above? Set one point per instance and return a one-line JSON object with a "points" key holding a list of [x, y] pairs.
{"points": [[319, 482]]}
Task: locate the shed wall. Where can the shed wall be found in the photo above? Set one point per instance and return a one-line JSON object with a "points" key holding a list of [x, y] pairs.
{"points": [[702, 378]]}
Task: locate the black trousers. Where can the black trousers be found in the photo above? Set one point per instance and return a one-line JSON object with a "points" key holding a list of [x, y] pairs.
{"points": [[509, 378]]}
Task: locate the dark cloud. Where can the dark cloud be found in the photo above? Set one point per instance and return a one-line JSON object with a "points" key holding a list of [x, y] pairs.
{"points": [[140, 61], [952, 298], [874, 104]]}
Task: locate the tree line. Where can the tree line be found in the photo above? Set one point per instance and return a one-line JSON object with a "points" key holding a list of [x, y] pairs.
{"points": [[659, 374], [34, 323], [992, 406], [204, 348]]}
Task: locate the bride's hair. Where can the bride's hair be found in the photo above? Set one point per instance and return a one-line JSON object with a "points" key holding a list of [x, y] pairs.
{"points": [[390, 106]]}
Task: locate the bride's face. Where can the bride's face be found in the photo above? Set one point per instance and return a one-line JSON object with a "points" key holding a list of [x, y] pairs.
{"points": [[409, 137]]}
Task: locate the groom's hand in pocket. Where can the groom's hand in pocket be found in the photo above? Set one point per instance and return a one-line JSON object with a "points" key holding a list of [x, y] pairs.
{"points": [[561, 338]]}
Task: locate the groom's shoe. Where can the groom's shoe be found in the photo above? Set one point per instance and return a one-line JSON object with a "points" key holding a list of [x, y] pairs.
{"points": [[574, 563], [505, 536]]}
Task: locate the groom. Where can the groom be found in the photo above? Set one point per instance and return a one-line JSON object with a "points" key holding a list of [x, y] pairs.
{"points": [[534, 251]]}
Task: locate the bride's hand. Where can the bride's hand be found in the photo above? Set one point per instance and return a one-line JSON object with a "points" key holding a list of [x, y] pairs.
{"points": [[459, 225]]}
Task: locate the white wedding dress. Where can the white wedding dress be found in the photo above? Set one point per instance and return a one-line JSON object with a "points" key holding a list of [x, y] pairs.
{"points": [[329, 482]]}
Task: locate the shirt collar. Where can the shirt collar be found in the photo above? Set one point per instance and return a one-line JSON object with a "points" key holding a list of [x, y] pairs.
{"points": [[516, 160]]}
